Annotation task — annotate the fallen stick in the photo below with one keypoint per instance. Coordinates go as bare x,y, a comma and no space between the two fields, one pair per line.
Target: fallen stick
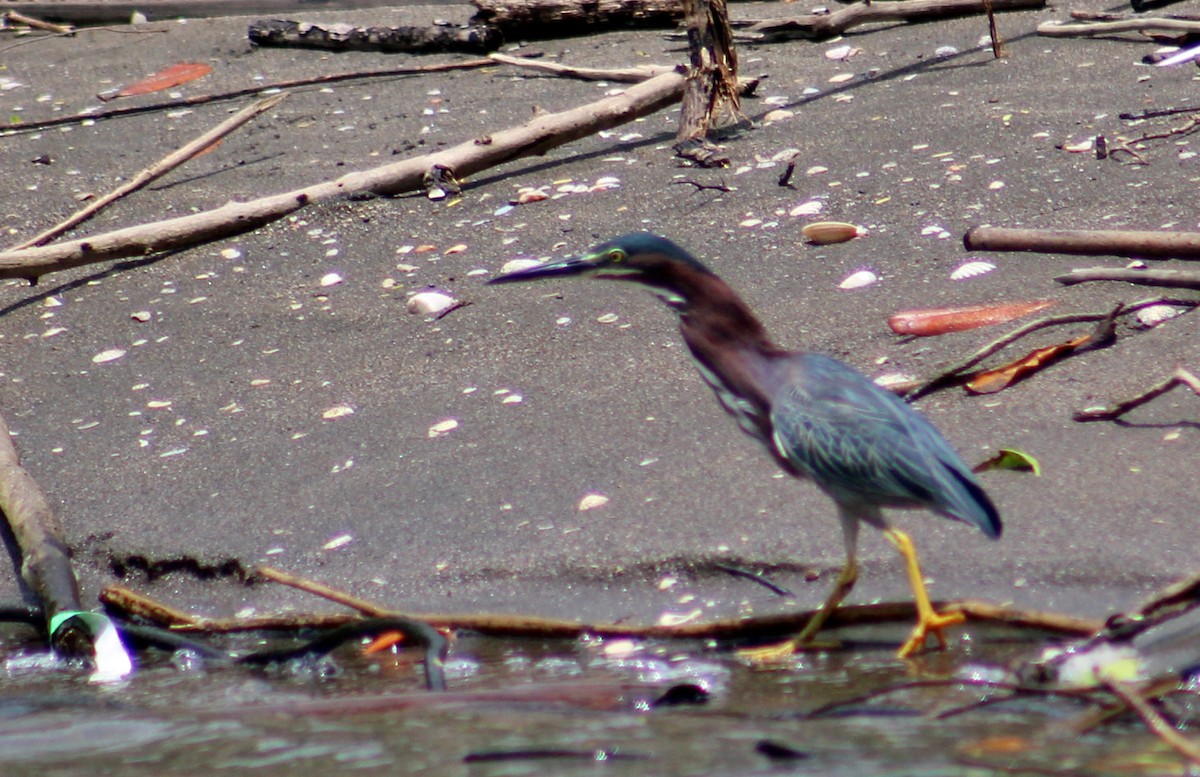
621,75
202,99
157,170
819,26
533,138
1056,29
14,17
1180,377
45,557
1086,242
1173,279
1154,720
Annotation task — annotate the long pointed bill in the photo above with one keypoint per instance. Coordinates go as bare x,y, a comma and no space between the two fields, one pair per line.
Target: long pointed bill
575,265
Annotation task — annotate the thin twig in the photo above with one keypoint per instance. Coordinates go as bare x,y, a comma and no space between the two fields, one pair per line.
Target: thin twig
1155,722
157,170
1180,377
953,372
75,32
237,94
322,590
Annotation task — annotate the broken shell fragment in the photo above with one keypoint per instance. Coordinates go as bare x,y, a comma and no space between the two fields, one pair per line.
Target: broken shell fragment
829,232
337,411
1152,316
592,501
858,280
429,302
442,428
513,265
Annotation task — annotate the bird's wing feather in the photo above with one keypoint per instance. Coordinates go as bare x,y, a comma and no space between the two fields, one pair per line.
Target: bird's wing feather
862,443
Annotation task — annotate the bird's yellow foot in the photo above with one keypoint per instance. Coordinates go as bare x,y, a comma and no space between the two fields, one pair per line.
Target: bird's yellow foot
929,623
779,652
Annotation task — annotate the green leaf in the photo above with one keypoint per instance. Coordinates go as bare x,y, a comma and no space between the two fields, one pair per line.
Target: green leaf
1010,458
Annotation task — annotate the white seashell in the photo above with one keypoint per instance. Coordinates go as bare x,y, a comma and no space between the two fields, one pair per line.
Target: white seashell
513,265
945,51
816,170
1148,318
747,223
858,280
592,501
841,78
1079,147
933,229
838,53
112,354
331,279
338,542
779,114
429,302
810,208
971,270
337,411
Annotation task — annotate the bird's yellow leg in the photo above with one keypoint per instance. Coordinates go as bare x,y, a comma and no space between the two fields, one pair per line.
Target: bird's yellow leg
781,650
928,621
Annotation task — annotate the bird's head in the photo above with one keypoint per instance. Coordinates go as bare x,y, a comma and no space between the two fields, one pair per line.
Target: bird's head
641,257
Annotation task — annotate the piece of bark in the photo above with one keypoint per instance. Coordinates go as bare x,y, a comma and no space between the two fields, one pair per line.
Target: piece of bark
711,80
476,39
534,138
535,19
821,26
45,557
1171,279
1086,242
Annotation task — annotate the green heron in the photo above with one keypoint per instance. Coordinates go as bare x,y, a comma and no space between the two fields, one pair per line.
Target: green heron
818,418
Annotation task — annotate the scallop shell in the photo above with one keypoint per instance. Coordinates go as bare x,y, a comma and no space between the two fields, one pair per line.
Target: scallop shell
828,232
859,279
810,208
971,270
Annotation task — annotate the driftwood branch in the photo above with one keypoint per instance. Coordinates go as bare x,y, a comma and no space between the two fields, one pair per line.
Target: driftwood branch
629,75
1057,29
820,26
534,138
1086,242
158,169
45,557
475,39
532,626
1180,377
711,80
541,18
1174,279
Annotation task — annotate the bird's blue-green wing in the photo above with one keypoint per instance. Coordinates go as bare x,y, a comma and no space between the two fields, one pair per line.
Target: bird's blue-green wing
862,443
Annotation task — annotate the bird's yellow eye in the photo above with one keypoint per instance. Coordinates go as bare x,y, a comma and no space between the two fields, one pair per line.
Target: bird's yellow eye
616,256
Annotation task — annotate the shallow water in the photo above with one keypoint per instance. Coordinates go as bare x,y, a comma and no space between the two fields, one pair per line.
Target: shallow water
562,708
